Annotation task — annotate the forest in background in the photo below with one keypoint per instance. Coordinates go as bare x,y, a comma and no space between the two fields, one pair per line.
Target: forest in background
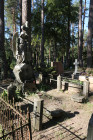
57,32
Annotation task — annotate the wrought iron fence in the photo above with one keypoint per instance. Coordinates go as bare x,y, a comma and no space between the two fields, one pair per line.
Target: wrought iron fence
16,125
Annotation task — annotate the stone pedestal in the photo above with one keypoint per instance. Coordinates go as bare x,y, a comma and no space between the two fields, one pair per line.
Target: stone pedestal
78,98
75,76
23,72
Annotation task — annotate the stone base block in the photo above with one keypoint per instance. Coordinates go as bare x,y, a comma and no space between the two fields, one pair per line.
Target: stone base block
78,98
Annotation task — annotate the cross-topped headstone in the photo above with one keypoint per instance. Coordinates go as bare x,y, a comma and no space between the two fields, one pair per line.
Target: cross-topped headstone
76,66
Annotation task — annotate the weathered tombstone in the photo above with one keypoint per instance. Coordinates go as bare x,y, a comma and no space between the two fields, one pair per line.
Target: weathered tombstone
58,67
90,129
59,84
38,113
85,89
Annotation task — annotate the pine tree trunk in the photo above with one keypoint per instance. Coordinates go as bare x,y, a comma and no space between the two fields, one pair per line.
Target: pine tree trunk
20,4
33,4
83,23
14,22
42,32
26,16
2,49
89,41
68,43
80,34
73,42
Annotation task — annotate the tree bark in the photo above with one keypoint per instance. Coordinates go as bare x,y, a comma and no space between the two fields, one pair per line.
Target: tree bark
83,23
68,43
2,49
42,32
80,34
72,42
26,16
89,41
33,4
14,22
20,7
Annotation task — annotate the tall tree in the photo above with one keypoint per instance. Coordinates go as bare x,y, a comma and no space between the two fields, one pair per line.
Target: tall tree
12,13
42,32
90,31
20,7
83,23
68,44
2,49
80,33
26,16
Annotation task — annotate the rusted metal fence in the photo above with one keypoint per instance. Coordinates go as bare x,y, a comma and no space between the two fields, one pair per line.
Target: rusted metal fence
16,125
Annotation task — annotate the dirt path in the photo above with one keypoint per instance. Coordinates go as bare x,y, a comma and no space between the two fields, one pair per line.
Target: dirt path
72,124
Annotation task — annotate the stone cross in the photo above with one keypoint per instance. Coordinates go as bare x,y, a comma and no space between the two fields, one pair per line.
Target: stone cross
76,66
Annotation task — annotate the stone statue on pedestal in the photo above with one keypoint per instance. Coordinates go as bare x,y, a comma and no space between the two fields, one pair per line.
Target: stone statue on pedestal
21,50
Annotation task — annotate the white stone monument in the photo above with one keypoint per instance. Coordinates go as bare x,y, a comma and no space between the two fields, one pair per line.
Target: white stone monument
76,66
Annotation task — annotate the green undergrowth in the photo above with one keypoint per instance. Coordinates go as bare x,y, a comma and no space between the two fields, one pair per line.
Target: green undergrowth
73,81
43,87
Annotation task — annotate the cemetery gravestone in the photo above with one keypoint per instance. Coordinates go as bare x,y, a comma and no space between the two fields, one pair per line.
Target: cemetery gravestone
75,75
58,67
76,66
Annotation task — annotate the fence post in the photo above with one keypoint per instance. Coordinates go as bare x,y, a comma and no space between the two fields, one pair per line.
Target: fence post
38,114
3,134
21,128
59,84
29,124
85,89
13,133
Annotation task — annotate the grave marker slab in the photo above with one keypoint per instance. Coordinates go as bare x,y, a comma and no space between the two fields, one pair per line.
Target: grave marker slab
58,67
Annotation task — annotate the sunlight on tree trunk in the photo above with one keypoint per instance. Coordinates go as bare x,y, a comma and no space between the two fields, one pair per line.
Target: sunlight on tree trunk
90,31
20,4
26,16
80,34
